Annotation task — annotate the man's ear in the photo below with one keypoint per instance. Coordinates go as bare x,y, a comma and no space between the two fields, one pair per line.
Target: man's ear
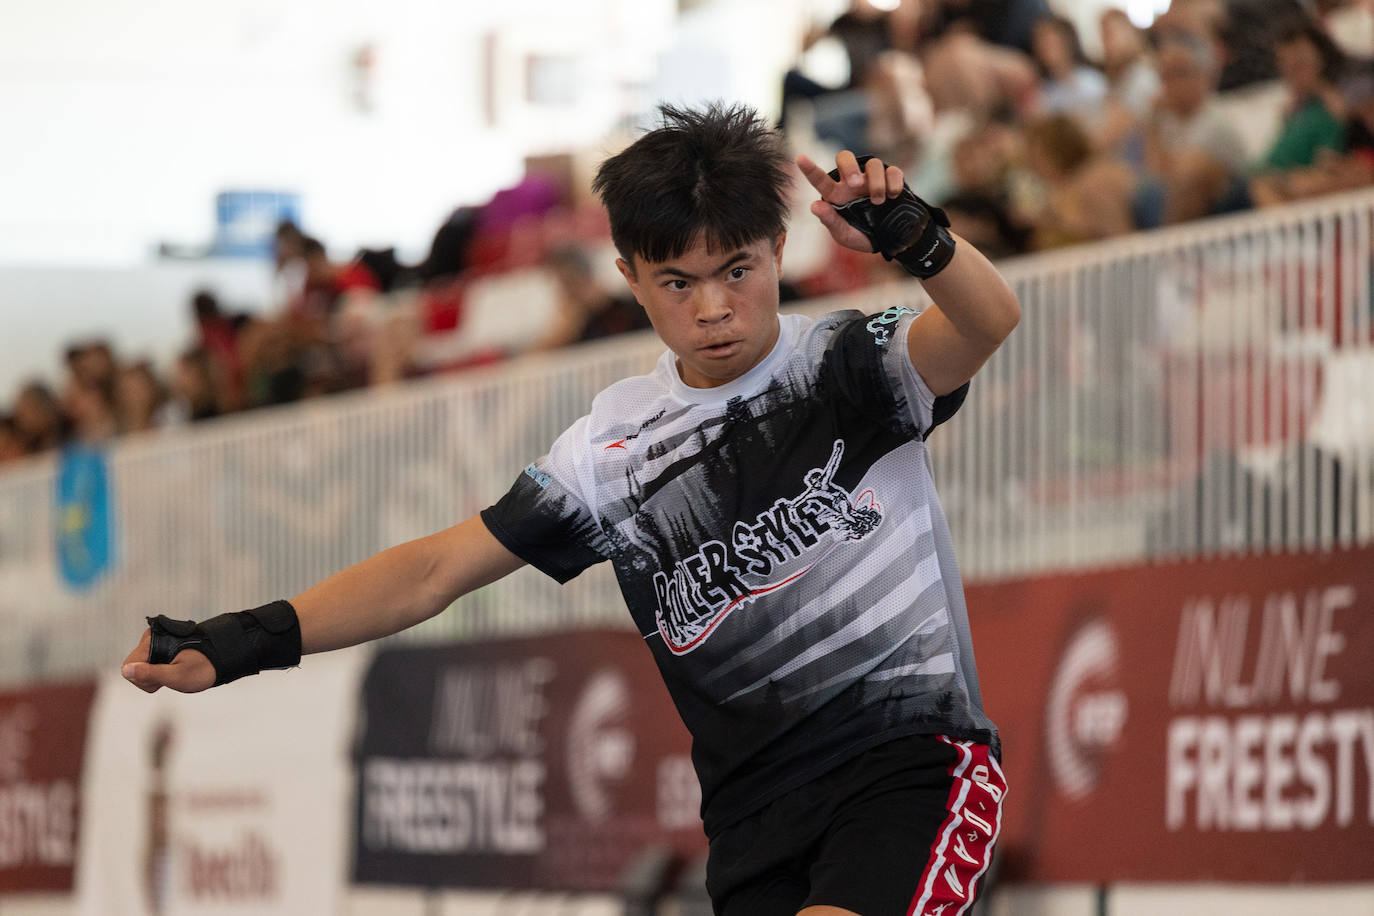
628,272
777,250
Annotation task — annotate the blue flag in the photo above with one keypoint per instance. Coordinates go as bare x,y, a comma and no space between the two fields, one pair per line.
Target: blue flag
85,516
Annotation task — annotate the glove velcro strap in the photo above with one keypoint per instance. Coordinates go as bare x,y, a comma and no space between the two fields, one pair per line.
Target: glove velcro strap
932,252
903,228
237,645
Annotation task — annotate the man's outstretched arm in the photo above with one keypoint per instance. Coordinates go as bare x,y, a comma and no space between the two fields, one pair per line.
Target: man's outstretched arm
383,594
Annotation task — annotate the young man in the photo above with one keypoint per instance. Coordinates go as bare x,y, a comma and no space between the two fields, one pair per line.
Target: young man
765,498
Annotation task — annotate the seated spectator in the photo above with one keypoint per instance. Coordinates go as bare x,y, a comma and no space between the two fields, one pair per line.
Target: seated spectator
986,222
1332,172
1193,152
91,408
218,335
326,283
587,311
288,268
11,445
965,73
1132,81
1246,36
195,388
980,207
1069,84
38,419
841,113
1005,23
92,363
139,399
1086,196
901,113
1310,66
272,363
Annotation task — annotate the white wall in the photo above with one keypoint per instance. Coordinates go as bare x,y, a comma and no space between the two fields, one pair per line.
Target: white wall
124,119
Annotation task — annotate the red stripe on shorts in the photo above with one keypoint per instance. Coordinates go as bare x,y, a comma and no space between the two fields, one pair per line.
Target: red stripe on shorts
963,844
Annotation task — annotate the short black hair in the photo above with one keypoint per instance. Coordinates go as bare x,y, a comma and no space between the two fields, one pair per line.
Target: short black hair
1302,29
720,173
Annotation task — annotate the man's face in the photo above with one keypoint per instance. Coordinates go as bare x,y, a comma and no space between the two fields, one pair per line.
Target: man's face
1183,85
717,310
1300,64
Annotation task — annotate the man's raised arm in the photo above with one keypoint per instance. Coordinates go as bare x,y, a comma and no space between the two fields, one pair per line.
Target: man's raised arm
867,207
383,594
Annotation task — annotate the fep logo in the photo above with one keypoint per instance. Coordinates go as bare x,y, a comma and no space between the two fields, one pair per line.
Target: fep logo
1086,710
601,748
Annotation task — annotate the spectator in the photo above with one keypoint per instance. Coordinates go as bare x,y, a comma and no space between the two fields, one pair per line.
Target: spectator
964,72
1069,84
195,388
218,335
987,224
1310,66
326,283
1132,81
288,268
92,363
587,311
140,399
1085,196
91,408
1005,23
11,445
980,208
1332,172
1246,33
1193,152
273,372
38,419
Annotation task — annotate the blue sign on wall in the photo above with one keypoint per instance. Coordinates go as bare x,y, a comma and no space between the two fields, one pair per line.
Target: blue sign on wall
85,516
246,221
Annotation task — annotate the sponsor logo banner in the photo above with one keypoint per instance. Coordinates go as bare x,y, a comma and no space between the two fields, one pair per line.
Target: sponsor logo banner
224,802
545,762
42,737
1195,721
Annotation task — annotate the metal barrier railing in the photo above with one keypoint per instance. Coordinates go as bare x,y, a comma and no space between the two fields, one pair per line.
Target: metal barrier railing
1185,393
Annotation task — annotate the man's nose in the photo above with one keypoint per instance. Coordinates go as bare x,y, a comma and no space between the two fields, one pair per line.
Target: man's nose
713,304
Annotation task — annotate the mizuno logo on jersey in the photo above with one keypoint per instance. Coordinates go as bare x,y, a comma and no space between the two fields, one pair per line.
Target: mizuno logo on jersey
780,546
620,443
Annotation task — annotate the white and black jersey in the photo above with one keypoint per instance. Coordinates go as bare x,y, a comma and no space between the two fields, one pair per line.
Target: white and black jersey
781,547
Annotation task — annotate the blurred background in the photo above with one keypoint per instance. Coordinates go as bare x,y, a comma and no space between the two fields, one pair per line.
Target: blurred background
283,284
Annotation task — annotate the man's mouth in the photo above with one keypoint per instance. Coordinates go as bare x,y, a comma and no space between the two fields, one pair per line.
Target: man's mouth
727,348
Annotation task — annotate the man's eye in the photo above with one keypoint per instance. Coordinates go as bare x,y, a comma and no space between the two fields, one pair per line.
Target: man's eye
737,273
676,286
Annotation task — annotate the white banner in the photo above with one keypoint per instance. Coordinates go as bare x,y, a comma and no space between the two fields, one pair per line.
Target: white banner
233,801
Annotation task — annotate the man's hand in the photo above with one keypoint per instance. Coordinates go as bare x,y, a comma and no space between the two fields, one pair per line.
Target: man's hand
189,672
873,180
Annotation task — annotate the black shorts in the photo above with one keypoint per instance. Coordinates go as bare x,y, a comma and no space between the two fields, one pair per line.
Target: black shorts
905,829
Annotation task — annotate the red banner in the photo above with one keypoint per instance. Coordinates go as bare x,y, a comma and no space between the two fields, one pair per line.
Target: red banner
1196,721
42,740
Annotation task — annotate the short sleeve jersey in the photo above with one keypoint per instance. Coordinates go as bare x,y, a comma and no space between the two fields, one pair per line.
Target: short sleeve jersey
780,545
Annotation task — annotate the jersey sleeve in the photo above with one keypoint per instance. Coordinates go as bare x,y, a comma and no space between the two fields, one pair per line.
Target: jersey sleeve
874,368
545,518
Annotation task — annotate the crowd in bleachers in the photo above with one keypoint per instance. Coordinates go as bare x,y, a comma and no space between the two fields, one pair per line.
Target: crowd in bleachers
991,107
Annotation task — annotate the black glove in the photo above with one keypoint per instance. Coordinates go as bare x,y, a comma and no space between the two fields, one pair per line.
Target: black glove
904,229
237,645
